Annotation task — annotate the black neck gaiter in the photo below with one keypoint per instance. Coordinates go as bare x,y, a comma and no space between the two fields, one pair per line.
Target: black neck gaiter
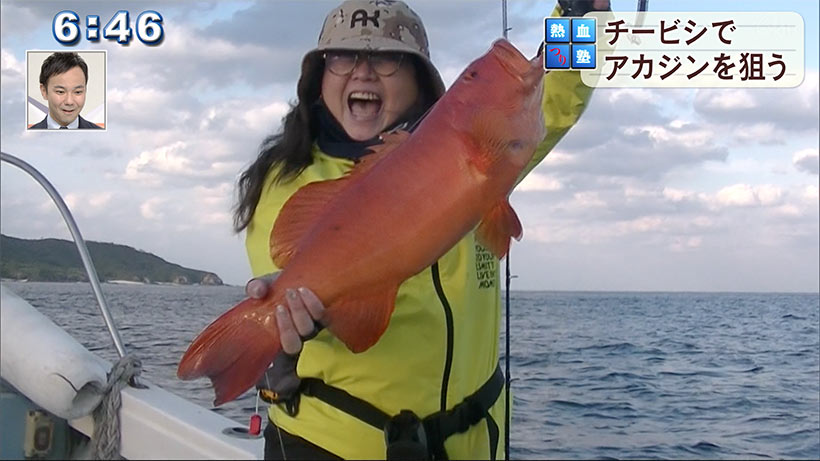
334,141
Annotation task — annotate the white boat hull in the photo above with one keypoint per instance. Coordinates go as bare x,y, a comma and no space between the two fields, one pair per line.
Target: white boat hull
58,374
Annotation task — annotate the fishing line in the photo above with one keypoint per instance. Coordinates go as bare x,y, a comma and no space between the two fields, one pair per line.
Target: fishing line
281,443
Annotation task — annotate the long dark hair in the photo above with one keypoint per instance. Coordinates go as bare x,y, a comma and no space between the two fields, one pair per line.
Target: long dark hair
290,150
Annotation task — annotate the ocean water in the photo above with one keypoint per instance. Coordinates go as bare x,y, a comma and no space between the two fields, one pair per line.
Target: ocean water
594,375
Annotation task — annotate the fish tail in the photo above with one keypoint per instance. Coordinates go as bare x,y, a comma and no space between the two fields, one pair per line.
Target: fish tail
233,351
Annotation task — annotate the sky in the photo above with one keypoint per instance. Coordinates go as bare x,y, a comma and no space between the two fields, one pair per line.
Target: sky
682,189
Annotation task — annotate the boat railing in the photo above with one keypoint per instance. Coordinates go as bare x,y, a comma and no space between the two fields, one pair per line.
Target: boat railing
79,241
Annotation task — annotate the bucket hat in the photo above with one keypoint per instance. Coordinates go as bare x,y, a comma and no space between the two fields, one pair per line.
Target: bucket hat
374,25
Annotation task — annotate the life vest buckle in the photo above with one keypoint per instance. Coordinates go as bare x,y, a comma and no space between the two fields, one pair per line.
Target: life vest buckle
405,437
280,383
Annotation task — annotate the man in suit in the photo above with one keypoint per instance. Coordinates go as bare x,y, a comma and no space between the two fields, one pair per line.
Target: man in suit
63,80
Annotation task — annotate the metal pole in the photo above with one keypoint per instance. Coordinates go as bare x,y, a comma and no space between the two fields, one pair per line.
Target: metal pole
504,19
78,240
643,5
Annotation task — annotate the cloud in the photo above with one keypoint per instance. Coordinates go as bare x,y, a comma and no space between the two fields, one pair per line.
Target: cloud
211,62
22,18
10,67
539,182
759,133
146,107
810,193
223,137
642,224
725,100
612,110
764,115
677,195
747,195
681,244
672,219
238,118
12,91
149,209
177,162
649,151
89,204
807,160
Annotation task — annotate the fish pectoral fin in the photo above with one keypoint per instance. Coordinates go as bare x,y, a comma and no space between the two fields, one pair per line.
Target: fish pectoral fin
359,321
497,226
488,148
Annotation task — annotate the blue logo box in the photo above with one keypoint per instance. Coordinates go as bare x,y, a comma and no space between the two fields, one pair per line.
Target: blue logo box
558,56
583,30
557,30
583,56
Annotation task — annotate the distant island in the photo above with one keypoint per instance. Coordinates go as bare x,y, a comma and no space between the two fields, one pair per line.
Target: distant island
55,260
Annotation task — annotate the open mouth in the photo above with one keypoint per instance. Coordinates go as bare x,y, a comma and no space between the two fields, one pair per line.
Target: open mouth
511,58
364,104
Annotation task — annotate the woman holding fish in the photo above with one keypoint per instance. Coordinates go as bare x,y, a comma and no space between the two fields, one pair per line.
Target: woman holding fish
382,207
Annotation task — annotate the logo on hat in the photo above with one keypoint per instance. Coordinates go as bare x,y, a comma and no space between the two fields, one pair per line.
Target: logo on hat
361,15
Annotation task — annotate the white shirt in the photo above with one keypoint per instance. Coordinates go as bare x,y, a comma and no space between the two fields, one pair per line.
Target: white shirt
53,125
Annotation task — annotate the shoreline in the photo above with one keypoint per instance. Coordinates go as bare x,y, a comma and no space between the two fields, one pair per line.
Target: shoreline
118,282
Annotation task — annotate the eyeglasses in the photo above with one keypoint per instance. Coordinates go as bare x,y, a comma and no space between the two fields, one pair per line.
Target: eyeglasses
342,62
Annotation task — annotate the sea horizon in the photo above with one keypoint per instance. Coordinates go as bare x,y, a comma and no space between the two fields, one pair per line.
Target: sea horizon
526,290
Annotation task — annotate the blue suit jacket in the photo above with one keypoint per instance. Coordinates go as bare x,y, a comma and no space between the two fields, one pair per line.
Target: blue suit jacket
84,124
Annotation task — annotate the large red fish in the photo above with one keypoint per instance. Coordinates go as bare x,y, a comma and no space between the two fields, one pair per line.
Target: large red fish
395,214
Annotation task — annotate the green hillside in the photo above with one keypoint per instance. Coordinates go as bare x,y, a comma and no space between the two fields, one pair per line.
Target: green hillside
54,260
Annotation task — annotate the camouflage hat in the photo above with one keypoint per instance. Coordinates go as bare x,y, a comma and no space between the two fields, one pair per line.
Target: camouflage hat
378,25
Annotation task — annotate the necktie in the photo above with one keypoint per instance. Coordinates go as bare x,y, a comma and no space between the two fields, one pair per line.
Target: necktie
63,127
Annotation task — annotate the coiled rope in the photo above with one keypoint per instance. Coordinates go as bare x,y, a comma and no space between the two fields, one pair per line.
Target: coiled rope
105,443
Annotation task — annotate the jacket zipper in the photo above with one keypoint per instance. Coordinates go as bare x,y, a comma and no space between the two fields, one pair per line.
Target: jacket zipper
448,315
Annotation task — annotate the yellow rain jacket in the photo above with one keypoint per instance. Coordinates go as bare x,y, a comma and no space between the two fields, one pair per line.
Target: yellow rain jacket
442,341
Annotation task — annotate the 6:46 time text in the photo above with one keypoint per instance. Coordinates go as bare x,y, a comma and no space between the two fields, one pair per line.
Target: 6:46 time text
148,26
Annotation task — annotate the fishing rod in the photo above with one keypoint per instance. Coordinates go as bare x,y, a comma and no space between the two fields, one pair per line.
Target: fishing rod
504,30
643,5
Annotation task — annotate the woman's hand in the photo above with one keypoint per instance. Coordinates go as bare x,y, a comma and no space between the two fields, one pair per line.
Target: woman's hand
300,321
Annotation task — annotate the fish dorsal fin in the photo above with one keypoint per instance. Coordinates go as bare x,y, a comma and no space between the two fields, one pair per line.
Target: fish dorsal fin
360,320
302,209
297,216
497,226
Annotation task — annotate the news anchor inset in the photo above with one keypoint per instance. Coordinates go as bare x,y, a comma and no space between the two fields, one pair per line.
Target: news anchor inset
63,83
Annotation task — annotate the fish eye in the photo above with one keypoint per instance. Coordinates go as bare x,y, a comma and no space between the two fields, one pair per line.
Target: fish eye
516,144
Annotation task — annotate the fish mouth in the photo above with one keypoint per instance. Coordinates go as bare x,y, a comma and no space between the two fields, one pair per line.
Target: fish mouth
364,105
510,57
529,71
